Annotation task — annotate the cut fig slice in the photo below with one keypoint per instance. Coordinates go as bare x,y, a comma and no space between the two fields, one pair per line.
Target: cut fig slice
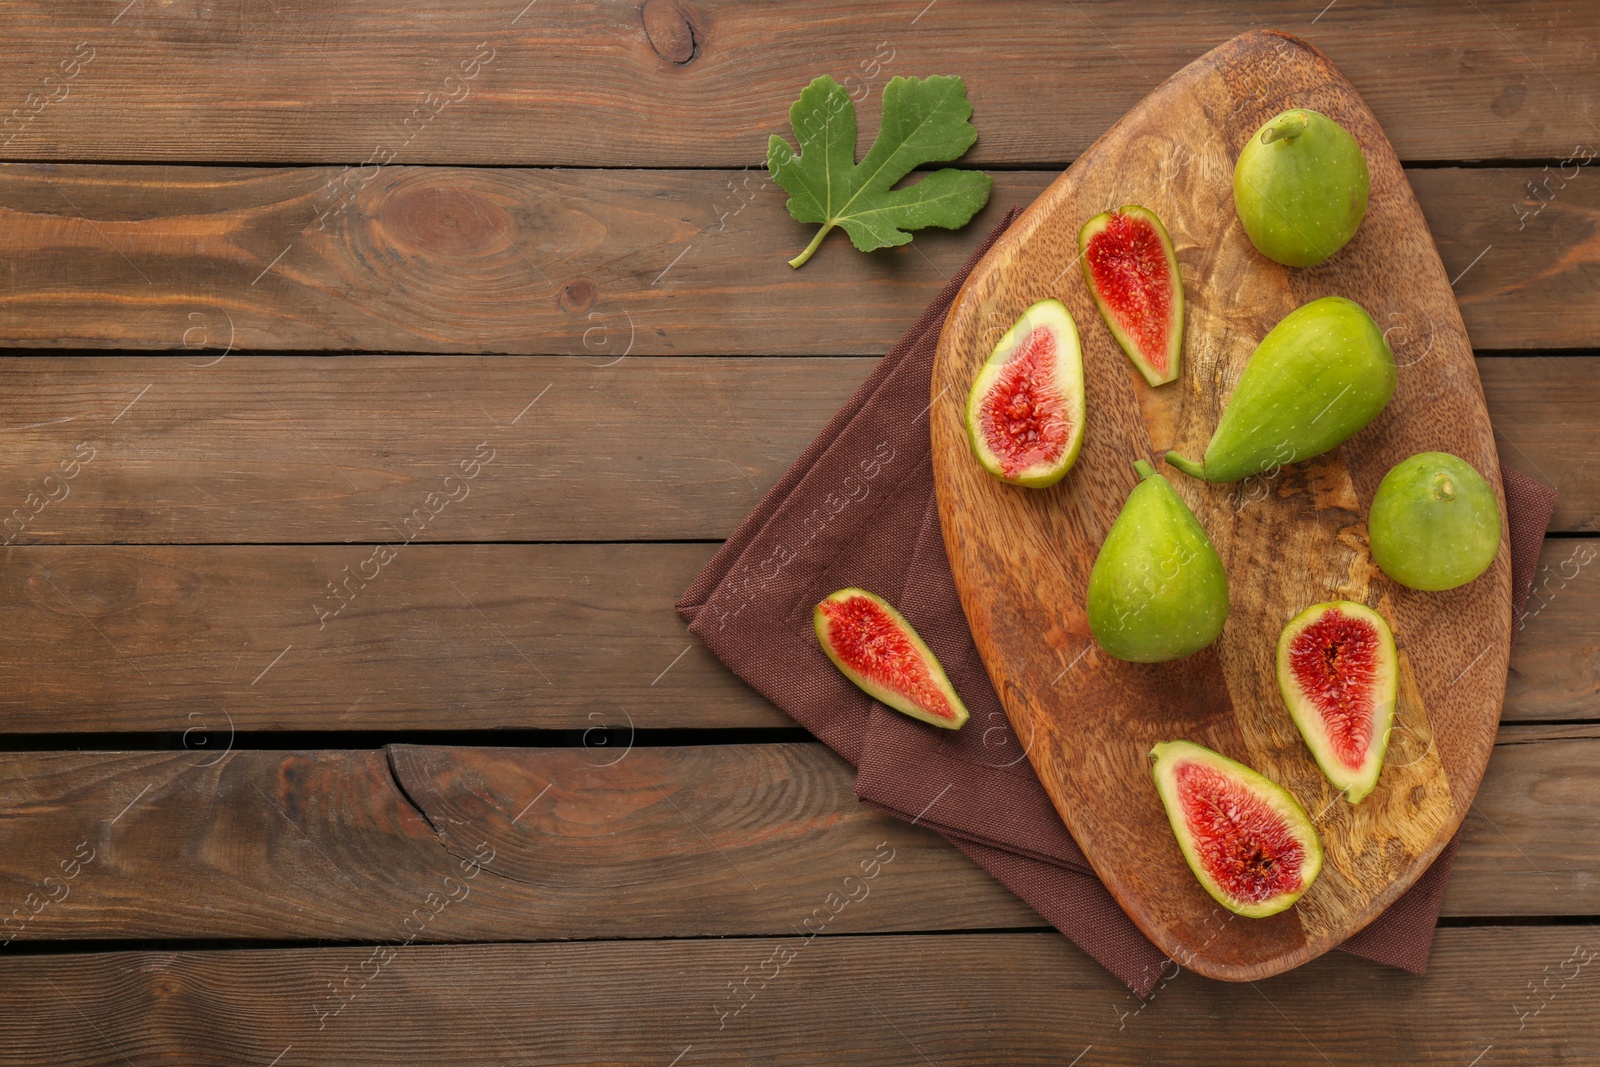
1338,673
1247,840
1025,412
877,649
1131,270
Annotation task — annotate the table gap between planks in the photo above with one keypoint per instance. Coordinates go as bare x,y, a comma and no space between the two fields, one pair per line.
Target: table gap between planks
501,286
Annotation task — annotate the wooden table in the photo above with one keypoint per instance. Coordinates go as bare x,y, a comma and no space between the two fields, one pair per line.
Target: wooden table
377,377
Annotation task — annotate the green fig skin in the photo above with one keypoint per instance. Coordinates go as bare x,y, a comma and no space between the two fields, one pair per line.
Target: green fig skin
1434,522
1300,187
1157,591
1318,377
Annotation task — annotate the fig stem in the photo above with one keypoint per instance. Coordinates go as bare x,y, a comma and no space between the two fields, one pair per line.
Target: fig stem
1286,128
799,261
1144,469
1187,466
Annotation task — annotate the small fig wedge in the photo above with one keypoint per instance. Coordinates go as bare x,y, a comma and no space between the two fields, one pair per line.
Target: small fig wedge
1025,412
1133,274
1318,377
877,649
1338,673
1248,841
1157,590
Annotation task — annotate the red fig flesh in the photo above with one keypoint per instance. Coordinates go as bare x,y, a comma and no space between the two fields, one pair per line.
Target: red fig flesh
1025,413
877,649
1338,672
1248,841
1133,274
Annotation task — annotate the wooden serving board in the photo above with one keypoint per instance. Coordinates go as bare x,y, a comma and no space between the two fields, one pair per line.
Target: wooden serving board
1022,557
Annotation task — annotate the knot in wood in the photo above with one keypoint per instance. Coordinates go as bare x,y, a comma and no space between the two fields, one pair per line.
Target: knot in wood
452,222
669,31
577,295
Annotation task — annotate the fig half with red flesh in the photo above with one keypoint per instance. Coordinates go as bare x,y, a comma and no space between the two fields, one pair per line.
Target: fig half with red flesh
1131,270
877,649
1025,412
1248,841
1338,673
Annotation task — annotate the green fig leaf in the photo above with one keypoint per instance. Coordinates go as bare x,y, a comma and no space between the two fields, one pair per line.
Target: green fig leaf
925,120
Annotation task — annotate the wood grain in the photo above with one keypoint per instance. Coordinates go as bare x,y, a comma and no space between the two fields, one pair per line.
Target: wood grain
290,449
1555,664
1538,778
575,84
311,464
1522,249
1018,998
193,639
602,263
1022,559
280,449
1556,393
595,842
572,843
172,638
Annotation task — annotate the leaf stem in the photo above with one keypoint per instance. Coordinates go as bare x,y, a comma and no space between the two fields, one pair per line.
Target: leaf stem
799,261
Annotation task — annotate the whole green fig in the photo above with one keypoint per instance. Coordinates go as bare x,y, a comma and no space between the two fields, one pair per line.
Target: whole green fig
1319,376
1157,590
1300,187
1434,522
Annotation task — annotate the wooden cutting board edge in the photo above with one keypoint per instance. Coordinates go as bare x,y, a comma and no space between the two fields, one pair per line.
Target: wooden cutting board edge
1464,786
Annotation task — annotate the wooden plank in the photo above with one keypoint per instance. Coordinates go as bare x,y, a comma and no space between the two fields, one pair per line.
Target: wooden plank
987,998
705,82
218,639
594,842
187,638
573,843
290,450
1555,663
599,264
1520,246
365,449
1540,406
605,263
1512,849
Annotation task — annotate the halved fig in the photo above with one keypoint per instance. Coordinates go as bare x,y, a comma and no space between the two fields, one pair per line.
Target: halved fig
1133,274
877,649
1338,674
1249,842
1025,412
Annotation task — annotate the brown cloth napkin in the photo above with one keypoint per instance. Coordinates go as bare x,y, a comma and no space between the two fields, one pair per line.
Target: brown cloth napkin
857,508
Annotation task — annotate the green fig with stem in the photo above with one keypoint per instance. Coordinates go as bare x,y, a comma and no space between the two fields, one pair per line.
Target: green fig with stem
1434,523
1300,187
1319,376
1157,591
